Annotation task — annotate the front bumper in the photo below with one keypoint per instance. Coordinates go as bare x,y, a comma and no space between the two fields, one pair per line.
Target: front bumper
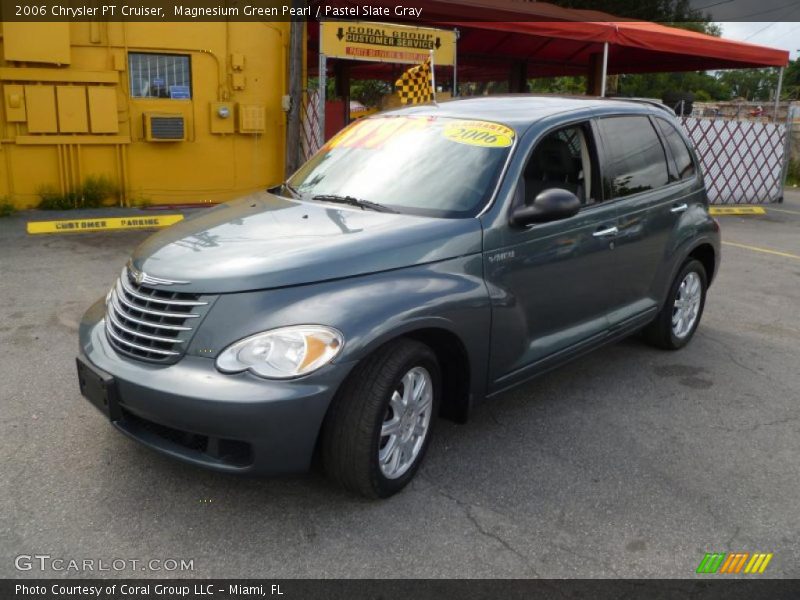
190,411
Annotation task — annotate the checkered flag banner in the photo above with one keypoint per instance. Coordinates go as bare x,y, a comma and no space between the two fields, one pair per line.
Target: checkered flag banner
416,85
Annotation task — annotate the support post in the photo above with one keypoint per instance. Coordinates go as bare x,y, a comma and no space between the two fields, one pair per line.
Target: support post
342,72
778,95
604,74
518,79
433,78
293,124
455,65
323,85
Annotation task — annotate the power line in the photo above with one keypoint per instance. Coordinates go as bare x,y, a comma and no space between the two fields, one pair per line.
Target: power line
764,12
760,30
715,4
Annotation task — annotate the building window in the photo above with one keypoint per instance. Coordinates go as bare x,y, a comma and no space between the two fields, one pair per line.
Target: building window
160,76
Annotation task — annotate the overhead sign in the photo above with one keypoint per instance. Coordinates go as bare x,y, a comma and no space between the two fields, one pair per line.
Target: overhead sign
386,42
102,224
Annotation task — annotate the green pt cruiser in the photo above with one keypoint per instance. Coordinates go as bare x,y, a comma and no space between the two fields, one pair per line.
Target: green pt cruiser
424,260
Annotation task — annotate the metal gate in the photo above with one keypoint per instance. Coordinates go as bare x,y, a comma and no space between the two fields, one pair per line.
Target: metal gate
743,161
311,136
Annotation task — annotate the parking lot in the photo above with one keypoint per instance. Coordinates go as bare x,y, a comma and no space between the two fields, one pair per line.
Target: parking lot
633,462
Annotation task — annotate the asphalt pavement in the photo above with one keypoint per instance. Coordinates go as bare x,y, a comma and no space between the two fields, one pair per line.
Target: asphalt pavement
631,462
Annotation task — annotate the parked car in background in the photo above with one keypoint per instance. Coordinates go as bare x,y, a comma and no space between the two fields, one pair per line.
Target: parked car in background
425,259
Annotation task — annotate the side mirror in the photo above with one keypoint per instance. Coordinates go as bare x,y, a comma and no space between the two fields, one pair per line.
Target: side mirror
550,205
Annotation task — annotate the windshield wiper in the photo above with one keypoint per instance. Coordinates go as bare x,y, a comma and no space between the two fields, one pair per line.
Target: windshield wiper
363,204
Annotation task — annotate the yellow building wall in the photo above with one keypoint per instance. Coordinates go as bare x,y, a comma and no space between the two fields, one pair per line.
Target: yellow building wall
67,112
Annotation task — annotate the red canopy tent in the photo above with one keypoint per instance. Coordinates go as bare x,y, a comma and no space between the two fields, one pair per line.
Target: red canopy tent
545,40
513,40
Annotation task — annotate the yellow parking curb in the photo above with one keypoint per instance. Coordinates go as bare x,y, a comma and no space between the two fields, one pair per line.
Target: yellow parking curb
718,211
102,224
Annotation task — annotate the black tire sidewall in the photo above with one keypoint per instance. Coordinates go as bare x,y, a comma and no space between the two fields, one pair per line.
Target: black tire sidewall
384,486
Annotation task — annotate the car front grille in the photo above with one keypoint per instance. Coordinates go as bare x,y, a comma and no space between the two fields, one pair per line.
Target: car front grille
149,323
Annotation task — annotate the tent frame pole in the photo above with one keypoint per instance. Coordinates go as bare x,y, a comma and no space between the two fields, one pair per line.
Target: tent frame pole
323,86
778,94
605,71
455,64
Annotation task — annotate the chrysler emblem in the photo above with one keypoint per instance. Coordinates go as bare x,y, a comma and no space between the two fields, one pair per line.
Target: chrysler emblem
140,277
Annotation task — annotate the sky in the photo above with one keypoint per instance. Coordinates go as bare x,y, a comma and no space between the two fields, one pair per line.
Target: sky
776,34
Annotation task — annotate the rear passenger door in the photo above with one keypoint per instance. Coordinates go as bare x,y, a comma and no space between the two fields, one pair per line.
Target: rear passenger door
639,179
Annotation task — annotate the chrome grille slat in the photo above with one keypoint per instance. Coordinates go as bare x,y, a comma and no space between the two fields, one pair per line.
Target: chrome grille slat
155,338
150,311
132,292
125,342
158,334
119,309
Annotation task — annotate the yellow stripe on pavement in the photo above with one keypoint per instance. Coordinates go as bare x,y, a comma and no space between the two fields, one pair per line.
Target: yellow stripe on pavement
783,210
764,250
718,211
102,224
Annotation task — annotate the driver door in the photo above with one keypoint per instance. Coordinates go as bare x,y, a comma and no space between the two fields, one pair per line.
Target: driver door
549,283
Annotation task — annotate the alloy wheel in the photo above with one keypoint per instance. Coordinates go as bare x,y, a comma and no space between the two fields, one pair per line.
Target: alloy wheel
406,423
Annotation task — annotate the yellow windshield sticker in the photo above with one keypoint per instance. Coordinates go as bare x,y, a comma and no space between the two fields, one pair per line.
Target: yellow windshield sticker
479,133
374,133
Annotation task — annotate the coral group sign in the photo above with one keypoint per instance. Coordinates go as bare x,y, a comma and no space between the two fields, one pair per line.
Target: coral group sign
386,42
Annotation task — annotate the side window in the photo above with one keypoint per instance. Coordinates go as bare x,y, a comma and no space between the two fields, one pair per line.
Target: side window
683,157
636,161
562,159
159,76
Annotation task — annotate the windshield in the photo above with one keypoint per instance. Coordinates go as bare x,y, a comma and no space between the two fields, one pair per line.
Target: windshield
423,165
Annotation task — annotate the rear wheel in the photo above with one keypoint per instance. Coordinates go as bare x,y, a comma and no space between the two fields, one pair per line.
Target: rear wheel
675,325
379,426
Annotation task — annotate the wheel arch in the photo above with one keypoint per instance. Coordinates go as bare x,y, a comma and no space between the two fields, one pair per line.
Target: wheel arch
707,255
454,361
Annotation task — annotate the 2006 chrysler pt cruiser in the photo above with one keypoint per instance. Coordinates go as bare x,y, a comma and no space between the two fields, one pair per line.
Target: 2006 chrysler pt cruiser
423,260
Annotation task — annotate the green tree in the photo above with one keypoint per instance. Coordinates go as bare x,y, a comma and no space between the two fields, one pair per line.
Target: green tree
755,85
791,81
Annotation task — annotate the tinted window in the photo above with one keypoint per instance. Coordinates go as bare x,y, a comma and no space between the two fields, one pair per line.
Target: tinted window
681,154
635,159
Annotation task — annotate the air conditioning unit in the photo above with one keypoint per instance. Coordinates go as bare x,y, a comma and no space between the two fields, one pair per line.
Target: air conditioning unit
164,127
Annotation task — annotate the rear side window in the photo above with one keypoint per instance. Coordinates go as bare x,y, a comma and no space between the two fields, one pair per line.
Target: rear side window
635,159
683,157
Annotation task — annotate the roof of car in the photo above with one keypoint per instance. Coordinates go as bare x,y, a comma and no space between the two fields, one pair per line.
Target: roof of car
521,110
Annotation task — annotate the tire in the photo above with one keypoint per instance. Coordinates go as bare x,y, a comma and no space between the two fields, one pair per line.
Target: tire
351,435
663,332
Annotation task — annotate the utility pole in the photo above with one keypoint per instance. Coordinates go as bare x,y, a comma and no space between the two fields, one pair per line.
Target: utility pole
293,124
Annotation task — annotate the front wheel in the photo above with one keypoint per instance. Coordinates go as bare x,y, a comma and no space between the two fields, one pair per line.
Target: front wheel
379,426
675,325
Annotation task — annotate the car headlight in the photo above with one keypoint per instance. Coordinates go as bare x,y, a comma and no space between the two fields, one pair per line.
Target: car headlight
283,353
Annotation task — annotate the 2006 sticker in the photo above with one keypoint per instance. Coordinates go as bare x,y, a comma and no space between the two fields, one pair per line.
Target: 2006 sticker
479,133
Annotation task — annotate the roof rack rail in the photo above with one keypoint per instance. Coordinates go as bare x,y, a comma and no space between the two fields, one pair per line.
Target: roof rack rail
649,101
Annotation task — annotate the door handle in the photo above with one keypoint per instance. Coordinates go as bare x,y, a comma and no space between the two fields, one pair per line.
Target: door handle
679,208
606,232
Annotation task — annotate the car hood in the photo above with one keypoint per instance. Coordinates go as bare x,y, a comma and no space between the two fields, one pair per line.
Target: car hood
265,241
